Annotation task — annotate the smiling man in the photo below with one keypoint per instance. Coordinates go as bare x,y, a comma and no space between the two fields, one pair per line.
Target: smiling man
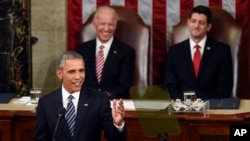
200,64
109,62
87,113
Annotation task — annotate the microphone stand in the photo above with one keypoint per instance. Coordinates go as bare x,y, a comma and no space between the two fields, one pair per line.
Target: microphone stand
61,113
57,123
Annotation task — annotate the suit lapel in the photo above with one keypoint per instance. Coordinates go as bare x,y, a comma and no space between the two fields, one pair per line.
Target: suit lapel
187,59
65,128
59,104
114,50
92,58
205,57
82,110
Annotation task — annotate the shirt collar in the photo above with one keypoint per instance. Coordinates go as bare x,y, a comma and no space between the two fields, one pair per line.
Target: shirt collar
201,43
65,95
106,45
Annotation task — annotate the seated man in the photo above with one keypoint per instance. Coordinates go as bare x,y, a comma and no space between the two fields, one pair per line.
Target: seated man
200,63
109,62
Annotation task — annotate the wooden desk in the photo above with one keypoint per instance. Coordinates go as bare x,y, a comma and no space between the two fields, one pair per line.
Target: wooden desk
5,125
17,124
17,121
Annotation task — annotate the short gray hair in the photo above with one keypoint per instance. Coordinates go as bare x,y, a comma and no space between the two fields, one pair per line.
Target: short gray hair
66,56
105,9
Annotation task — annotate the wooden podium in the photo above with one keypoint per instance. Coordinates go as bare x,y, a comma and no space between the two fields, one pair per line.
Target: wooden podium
17,123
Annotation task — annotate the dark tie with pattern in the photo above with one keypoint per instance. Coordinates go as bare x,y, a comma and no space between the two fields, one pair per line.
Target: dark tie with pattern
71,115
99,63
196,60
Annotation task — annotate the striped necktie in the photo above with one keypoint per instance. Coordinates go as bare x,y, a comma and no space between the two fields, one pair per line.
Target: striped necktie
196,60
71,115
99,63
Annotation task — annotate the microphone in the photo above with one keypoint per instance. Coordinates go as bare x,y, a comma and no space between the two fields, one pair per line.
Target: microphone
61,112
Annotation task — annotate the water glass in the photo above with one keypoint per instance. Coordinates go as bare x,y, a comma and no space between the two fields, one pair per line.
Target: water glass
189,97
35,95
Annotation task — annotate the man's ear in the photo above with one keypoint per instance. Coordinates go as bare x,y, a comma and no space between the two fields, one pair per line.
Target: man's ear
187,21
59,73
209,27
94,23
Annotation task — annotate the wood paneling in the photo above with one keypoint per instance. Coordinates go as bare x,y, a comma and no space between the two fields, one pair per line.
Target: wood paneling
20,126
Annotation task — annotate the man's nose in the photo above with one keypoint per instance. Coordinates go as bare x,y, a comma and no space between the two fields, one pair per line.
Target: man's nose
196,24
78,75
106,27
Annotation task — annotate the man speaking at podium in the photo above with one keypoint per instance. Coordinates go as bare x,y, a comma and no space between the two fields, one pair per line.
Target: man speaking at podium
88,111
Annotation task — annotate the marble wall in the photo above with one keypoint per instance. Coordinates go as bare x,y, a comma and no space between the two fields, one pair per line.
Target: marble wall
48,24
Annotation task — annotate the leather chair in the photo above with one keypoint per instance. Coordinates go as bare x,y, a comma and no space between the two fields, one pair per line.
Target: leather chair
224,28
132,30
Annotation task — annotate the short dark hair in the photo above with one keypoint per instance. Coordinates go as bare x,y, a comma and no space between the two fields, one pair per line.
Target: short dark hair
202,10
66,56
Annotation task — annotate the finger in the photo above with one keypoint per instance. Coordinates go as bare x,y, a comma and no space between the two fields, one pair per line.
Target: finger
120,103
114,104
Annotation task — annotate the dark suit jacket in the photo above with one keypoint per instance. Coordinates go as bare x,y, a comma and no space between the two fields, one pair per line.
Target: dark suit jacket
118,69
93,115
215,78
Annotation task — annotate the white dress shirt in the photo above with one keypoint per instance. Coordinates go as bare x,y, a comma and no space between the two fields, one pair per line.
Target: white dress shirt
201,44
106,48
76,95
66,94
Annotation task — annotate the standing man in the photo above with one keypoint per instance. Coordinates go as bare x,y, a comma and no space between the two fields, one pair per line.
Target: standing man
88,110
109,62
200,63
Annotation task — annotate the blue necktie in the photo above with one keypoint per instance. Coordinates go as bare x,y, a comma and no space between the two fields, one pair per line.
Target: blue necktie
71,115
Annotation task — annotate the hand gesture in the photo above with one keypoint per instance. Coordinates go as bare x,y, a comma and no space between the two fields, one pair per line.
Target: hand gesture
118,111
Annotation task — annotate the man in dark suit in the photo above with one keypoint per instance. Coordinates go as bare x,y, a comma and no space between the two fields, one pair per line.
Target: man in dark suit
208,70
88,114
119,58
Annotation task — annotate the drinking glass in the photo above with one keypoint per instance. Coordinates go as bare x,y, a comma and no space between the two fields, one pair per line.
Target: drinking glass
189,97
35,94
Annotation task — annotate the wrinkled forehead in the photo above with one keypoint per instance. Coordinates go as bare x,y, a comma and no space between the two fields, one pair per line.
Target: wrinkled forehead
73,63
105,12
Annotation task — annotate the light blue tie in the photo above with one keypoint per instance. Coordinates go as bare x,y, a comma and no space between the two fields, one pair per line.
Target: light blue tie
71,115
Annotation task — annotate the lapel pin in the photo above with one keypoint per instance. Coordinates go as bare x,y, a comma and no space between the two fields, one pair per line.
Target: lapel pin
86,105
208,48
115,52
